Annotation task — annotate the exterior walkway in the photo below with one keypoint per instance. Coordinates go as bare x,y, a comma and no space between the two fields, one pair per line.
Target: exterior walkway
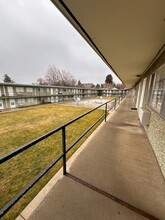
114,175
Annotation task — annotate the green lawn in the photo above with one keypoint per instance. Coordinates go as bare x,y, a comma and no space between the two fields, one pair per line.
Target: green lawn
20,127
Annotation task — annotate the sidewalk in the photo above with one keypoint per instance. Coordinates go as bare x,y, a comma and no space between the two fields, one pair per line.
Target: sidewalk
113,175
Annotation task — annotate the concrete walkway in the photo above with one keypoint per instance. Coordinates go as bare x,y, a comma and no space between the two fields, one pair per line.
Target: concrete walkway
114,175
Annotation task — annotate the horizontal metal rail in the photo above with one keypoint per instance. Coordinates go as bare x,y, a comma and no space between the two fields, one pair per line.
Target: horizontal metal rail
35,141
29,186
85,132
62,155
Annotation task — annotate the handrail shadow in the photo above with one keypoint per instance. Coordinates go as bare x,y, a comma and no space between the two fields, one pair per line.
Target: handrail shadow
112,197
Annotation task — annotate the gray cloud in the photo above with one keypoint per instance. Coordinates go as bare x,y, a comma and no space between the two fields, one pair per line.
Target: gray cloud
34,35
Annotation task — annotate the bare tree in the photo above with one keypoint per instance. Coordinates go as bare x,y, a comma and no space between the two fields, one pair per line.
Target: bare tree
120,86
55,76
41,81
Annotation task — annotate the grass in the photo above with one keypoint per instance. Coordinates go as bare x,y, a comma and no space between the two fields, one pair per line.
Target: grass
20,127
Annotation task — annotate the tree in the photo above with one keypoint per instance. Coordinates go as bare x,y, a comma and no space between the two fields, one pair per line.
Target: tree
109,79
79,83
7,79
98,86
41,81
57,77
120,86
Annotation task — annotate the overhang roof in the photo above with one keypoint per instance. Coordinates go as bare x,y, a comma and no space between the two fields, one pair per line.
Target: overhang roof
127,35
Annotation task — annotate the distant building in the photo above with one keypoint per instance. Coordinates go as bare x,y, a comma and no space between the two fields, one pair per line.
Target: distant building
107,85
88,85
14,95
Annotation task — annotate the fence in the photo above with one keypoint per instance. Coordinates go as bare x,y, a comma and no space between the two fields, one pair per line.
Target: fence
62,156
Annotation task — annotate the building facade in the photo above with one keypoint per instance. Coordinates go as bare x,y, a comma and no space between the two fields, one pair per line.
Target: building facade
149,98
20,95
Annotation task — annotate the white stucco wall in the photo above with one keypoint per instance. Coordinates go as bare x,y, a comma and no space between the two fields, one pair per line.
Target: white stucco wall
156,135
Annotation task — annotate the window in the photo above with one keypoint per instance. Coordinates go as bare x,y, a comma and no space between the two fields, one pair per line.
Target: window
157,100
42,90
21,101
19,89
28,89
30,100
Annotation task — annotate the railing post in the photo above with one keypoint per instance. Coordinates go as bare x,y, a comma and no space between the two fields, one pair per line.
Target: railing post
115,104
105,112
64,150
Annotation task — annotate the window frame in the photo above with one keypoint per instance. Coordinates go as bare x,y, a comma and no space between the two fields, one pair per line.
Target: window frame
19,89
29,89
153,88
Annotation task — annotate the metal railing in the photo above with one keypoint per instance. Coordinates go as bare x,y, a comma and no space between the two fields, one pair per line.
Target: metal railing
62,156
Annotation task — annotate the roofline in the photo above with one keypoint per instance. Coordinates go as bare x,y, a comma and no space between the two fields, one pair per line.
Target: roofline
36,85
60,4
52,86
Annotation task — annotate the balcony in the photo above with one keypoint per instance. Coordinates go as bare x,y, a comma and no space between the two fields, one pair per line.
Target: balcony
113,175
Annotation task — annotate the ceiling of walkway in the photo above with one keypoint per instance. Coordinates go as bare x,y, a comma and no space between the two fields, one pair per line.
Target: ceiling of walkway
127,35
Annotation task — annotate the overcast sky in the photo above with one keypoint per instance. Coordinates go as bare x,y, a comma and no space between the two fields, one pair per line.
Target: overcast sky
34,35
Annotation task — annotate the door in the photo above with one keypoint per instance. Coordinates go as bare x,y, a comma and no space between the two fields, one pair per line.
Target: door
12,103
138,95
51,90
142,93
1,104
10,91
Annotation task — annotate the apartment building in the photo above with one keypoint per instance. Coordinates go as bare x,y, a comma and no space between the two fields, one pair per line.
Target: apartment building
21,95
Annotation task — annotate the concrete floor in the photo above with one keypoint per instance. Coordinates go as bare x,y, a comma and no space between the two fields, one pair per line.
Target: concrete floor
114,175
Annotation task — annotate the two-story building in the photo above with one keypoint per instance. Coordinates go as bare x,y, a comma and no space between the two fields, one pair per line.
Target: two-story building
20,95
